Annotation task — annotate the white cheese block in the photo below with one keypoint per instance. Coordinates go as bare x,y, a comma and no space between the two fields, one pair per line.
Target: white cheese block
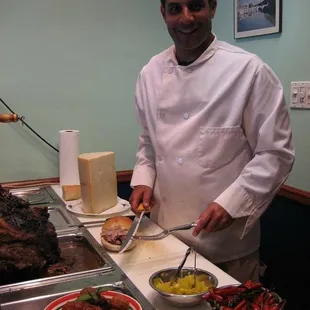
98,181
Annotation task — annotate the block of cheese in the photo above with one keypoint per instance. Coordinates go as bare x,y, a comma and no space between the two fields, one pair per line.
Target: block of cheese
71,192
98,181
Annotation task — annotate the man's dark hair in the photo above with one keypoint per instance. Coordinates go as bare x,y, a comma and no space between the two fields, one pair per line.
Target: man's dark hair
163,2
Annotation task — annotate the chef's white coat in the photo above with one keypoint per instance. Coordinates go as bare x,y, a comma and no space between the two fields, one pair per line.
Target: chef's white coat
215,130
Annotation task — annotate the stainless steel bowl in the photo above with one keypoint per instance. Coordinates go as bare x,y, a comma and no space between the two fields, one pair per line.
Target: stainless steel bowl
181,300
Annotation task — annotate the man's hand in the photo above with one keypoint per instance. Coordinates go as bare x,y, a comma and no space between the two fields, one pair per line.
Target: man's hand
214,218
141,194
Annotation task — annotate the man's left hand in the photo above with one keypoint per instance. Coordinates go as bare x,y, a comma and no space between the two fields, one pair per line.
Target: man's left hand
214,218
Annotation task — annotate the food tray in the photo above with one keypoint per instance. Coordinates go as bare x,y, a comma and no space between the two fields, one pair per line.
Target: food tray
60,217
38,299
80,251
36,195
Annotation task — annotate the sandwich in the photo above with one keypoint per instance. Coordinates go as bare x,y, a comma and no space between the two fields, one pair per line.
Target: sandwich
114,231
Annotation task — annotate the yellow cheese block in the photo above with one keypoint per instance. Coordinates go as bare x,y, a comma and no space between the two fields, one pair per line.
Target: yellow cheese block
98,181
71,192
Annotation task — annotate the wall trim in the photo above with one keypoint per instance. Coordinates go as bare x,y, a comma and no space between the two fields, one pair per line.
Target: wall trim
124,176
295,194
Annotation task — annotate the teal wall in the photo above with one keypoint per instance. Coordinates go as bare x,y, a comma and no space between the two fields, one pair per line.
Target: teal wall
72,64
288,54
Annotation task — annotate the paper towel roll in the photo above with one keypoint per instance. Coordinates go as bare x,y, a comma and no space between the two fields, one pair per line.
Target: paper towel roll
69,149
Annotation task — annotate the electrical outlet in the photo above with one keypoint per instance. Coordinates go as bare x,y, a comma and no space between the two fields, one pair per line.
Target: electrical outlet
300,95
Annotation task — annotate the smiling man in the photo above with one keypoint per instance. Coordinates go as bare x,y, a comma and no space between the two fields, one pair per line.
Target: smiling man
189,25
216,142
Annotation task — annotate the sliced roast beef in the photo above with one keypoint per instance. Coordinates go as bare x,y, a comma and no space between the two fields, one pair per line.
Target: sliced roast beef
115,235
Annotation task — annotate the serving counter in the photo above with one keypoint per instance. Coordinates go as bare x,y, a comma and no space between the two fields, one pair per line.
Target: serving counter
150,256
79,237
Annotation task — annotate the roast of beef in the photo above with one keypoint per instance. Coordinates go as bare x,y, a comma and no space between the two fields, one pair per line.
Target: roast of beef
28,241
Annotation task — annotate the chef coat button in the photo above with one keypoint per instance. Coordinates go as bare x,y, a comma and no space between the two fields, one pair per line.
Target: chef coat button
186,115
162,114
180,160
160,158
170,70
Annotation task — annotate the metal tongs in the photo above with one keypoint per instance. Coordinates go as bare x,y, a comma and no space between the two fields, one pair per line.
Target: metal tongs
177,273
166,232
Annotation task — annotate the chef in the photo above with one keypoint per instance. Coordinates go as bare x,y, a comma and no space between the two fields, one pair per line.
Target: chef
216,141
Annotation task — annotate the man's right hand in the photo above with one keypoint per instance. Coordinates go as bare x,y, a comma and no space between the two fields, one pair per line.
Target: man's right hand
141,194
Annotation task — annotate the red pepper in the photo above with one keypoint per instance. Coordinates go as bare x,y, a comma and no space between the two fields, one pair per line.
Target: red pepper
242,289
241,305
276,306
272,301
217,298
228,291
207,296
259,300
269,299
212,296
250,285
211,290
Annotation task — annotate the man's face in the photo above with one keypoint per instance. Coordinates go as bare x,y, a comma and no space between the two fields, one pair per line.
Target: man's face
188,21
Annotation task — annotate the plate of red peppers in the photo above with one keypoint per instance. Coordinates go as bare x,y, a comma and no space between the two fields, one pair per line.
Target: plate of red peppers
247,296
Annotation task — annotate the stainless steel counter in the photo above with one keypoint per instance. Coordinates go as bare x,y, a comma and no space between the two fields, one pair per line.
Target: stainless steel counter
93,266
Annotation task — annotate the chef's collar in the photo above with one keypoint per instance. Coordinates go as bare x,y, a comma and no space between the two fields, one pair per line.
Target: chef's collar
207,54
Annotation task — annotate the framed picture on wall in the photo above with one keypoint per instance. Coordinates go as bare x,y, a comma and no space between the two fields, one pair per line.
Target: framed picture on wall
257,17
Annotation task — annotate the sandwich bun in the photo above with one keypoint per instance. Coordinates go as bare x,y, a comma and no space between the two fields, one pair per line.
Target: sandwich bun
112,223
123,221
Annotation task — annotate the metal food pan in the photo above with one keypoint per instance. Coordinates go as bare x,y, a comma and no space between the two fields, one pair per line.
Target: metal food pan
60,217
39,298
36,195
81,253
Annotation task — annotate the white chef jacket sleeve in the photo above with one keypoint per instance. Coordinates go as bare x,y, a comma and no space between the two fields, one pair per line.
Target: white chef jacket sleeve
267,128
144,172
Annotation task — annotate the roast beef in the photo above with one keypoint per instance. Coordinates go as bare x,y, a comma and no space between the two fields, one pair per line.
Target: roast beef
28,240
114,235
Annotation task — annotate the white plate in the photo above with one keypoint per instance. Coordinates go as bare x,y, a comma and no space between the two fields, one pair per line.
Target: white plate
122,206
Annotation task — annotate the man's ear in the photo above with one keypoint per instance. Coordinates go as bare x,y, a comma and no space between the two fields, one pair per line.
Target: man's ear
213,8
163,12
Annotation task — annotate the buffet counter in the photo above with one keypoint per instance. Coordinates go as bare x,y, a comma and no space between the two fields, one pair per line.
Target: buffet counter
148,257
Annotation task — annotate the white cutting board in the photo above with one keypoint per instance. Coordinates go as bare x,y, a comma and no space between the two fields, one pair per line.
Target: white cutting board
145,250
